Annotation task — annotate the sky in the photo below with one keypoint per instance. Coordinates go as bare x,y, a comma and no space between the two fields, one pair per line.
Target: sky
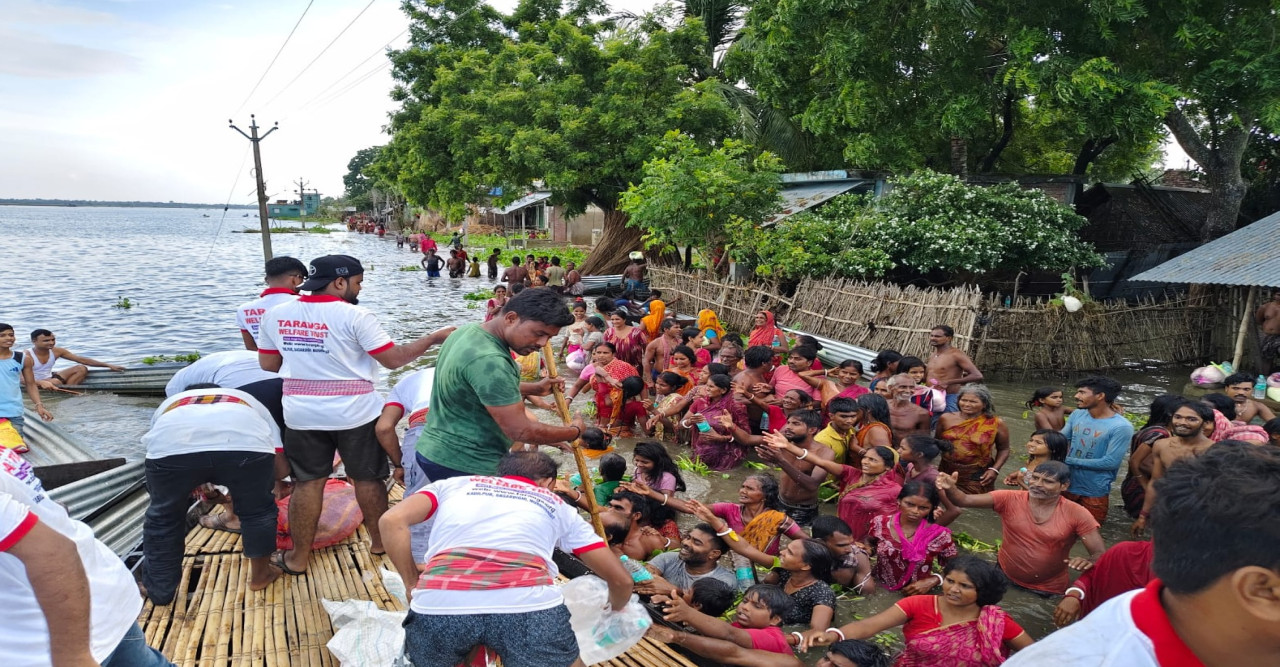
130,99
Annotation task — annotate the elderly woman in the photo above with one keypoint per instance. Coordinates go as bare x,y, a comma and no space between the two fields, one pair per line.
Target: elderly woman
963,627
979,440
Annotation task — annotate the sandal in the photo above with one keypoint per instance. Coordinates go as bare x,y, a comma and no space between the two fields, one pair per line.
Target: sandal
217,522
277,559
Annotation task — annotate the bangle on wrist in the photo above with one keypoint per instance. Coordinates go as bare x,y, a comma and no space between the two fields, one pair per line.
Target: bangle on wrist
802,455
724,532
665,498
941,581
1076,589
799,638
994,470
837,632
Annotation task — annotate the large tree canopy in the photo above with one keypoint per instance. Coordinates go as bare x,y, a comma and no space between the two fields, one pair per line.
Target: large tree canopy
544,95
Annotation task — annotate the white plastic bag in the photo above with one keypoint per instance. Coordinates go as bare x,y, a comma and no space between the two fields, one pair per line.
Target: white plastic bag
602,634
365,635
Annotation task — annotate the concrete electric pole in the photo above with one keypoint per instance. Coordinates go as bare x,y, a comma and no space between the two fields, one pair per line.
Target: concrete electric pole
262,186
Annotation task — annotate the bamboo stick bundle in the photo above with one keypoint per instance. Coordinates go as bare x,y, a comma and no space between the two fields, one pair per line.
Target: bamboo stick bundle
212,621
228,611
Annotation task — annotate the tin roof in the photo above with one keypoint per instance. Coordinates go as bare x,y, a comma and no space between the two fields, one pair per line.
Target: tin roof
800,196
523,202
1248,256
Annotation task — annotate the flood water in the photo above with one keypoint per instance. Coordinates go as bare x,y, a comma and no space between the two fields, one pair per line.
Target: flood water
185,274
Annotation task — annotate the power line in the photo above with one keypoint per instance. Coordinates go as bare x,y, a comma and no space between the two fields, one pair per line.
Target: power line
354,84
322,52
337,81
232,193
273,60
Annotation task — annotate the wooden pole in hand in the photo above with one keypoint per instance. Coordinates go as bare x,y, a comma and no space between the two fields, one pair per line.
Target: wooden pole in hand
588,487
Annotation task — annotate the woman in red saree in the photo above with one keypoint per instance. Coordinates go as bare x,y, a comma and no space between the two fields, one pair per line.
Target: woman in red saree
963,627
628,341
865,492
716,446
767,333
607,383
908,542
979,441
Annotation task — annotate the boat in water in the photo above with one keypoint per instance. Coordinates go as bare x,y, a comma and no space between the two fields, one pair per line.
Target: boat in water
147,380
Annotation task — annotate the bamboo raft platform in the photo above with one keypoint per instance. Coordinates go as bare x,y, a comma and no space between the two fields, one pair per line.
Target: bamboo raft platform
216,621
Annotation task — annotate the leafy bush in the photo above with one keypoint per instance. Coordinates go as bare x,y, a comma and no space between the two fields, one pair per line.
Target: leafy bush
928,223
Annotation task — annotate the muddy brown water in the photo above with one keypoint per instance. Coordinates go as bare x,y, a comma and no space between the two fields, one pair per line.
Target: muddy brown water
186,275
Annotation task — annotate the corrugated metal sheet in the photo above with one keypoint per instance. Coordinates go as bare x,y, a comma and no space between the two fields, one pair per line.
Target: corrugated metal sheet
523,202
1247,256
83,497
834,352
49,444
801,196
143,381
120,527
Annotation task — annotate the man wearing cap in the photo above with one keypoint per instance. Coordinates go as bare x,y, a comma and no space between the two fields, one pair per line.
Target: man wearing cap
284,274
328,350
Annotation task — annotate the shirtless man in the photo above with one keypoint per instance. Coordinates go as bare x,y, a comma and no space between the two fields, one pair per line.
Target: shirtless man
949,366
798,489
1268,319
515,274
44,354
656,353
642,532
455,264
1239,387
905,418
633,275
1187,438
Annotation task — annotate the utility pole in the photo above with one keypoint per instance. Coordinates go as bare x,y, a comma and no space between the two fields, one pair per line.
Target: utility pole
302,199
262,186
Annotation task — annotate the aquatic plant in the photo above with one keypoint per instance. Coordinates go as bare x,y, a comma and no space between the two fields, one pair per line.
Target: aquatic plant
970,543
693,465
123,303
164,358
479,295
411,267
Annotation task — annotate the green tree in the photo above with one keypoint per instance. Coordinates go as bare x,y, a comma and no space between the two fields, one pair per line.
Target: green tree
689,192
546,95
930,227
356,181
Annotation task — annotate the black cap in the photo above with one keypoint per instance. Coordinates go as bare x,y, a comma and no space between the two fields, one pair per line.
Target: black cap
325,269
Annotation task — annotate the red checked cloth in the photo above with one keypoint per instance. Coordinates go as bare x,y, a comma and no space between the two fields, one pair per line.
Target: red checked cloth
484,570
327,387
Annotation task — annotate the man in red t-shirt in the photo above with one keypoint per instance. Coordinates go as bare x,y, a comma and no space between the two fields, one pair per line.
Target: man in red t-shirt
1039,528
754,638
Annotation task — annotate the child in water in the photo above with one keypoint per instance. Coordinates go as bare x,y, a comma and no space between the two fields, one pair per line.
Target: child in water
1045,445
1050,411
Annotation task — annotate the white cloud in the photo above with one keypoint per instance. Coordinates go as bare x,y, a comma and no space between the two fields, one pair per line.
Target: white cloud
32,56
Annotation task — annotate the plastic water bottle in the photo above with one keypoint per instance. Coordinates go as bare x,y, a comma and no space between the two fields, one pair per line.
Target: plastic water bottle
638,572
1260,388
777,341
746,577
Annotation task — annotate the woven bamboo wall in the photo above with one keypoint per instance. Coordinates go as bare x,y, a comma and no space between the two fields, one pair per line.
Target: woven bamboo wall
1030,337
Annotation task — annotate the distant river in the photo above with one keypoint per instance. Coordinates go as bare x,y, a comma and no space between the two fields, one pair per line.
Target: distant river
184,274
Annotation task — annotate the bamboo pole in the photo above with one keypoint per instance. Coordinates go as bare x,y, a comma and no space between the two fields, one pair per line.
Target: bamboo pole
588,487
1238,356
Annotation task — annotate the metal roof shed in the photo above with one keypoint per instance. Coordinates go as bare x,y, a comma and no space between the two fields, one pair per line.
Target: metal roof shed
1249,256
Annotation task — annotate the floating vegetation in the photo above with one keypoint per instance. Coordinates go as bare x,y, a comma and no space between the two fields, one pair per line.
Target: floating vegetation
164,358
123,303
479,295
411,267
973,544
693,465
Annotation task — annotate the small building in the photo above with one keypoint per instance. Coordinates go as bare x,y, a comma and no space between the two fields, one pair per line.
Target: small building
284,208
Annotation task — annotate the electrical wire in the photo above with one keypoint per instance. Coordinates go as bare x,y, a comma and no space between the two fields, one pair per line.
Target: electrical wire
322,52
239,170
273,60
337,81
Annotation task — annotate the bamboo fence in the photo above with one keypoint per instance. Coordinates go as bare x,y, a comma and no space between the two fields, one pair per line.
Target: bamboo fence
1027,336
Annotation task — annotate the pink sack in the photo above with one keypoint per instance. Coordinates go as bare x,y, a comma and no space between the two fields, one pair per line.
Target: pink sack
339,517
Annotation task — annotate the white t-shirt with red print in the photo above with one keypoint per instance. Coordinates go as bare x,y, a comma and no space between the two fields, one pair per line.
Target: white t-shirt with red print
114,599
249,315
327,346
412,394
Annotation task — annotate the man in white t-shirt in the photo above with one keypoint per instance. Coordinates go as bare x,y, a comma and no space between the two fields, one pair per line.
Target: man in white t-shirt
1215,601
412,396
67,599
328,351
284,274
209,435
489,577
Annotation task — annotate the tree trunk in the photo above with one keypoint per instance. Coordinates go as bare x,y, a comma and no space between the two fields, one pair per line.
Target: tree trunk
1220,157
959,157
1007,116
1090,151
610,255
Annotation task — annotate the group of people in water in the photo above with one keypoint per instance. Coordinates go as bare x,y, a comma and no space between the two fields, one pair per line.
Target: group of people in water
902,456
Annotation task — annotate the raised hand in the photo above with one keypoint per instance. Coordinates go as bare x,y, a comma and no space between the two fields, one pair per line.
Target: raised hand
946,482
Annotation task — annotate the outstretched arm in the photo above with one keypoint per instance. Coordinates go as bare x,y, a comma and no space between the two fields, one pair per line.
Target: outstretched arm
679,611
735,542
394,526
723,652
947,485
66,354
399,355
779,442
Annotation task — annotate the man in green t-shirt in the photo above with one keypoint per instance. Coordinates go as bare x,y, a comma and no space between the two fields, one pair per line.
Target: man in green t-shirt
477,408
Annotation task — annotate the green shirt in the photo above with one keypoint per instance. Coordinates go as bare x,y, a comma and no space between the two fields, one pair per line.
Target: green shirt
474,370
604,491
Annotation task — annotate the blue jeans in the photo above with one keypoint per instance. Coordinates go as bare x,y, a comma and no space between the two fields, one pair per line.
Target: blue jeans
436,472
634,285
132,651
17,423
249,477
953,403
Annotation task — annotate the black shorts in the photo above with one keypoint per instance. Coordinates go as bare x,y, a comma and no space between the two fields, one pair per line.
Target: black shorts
310,453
